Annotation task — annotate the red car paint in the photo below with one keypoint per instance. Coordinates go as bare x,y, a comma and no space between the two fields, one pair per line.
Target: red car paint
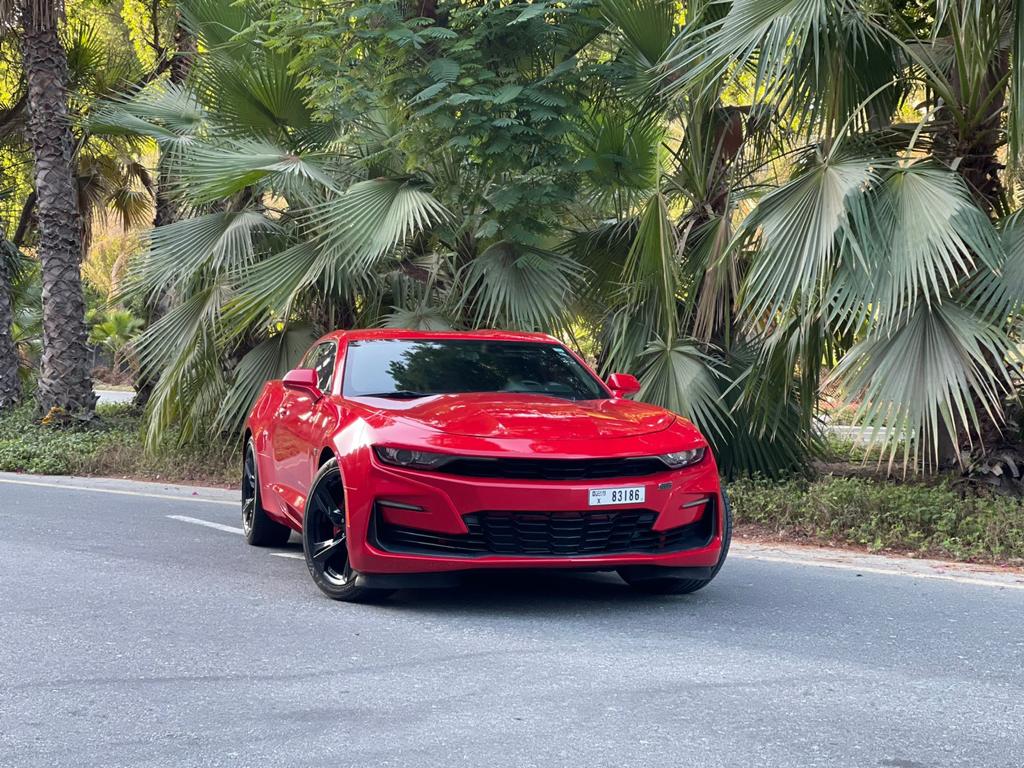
295,428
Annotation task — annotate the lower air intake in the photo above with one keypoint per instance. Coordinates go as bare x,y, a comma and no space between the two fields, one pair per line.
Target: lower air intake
551,534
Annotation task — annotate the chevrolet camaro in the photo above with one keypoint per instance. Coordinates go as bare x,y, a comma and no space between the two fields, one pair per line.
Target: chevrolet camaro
404,458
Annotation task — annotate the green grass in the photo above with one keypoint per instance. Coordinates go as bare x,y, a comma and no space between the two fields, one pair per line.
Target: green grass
112,447
929,520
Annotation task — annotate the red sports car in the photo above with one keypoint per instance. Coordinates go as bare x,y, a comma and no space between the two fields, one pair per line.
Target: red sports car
406,457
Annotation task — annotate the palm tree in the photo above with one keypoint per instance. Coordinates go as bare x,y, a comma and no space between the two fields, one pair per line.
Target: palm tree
115,333
888,253
65,383
742,202
668,177
299,223
10,382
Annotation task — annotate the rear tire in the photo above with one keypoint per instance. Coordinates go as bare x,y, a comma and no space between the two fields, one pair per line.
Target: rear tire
259,529
677,586
325,540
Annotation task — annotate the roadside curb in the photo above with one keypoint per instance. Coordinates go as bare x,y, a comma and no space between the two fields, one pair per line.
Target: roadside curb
117,486
884,565
801,555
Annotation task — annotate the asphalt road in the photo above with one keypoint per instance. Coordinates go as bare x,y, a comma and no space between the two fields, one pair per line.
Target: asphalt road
132,638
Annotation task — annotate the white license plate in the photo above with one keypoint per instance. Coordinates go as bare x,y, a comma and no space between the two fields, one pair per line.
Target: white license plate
630,494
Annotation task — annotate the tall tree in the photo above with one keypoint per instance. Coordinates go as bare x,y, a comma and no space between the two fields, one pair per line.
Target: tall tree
10,384
166,208
889,255
180,64
65,382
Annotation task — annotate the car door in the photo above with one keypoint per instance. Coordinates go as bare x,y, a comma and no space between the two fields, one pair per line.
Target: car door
299,430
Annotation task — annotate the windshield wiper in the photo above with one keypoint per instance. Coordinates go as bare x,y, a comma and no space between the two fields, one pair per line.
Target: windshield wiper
398,394
546,393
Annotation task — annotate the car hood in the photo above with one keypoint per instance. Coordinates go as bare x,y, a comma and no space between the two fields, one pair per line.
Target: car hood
536,417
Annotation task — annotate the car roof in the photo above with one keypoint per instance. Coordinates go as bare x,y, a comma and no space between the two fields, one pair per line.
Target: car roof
371,334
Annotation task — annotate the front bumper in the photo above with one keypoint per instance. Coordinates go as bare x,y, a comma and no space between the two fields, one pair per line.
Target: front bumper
440,505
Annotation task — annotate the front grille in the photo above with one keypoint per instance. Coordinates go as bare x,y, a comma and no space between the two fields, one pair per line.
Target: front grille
555,469
550,534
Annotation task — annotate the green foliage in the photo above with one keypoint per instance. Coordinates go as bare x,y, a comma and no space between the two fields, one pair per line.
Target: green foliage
307,209
115,332
28,447
741,203
933,520
484,94
114,446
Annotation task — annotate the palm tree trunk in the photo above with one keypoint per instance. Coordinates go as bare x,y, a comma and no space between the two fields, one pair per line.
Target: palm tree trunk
65,381
166,206
10,383
975,155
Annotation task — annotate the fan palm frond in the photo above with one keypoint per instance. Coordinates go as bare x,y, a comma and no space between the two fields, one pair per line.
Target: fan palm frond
519,286
421,318
164,111
650,275
799,225
999,293
771,433
646,26
360,225
926,380
619,157
818,59
211,171
214,243
927,235
270,359
687,381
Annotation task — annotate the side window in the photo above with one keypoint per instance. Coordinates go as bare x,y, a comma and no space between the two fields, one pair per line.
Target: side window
323,364
309,359
321,359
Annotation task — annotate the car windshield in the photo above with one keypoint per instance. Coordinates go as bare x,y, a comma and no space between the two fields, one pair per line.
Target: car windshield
401,368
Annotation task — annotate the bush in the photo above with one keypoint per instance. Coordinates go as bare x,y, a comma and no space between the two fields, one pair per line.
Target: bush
903,516
112,446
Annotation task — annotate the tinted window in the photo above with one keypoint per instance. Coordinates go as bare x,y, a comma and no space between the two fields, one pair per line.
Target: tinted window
406,368
321,359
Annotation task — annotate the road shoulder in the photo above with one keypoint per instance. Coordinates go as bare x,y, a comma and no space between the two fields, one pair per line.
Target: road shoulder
801,555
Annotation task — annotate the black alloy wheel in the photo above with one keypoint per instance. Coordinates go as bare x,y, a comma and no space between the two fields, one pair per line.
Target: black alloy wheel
679,586
325,540
259,529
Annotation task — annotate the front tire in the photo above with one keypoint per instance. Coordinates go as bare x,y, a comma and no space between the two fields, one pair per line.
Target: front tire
325,540
259,529
677,586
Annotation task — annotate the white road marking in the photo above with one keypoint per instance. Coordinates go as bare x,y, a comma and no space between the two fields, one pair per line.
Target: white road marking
766,558
810,560
230,529
164,496
207,523
883,571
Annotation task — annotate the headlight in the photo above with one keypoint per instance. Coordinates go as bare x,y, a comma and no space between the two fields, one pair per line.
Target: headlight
411,459
679,459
